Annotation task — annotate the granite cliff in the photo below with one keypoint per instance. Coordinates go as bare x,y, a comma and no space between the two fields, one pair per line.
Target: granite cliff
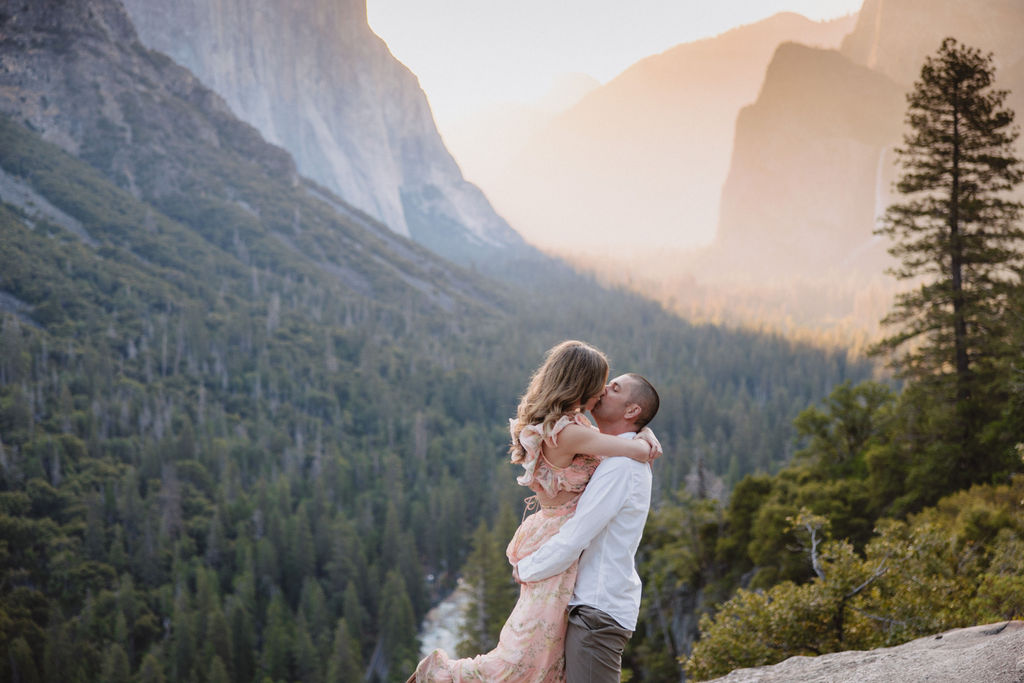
645,155
813,163
74,72
992,653
893,36
314,79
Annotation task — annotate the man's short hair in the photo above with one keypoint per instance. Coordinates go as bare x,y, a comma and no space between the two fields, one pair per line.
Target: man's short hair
644,395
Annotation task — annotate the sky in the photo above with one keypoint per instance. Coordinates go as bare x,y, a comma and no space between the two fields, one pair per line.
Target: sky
475,55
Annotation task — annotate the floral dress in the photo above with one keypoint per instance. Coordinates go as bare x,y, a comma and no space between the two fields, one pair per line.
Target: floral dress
531,645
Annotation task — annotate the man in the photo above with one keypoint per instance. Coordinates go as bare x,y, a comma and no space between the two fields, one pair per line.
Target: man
606,528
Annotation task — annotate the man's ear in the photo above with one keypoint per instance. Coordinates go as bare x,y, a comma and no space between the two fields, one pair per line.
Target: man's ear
632,411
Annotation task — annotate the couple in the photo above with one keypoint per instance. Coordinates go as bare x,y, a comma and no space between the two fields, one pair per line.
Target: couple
575,612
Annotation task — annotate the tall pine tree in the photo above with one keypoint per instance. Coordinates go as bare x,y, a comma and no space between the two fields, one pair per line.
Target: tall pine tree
956,232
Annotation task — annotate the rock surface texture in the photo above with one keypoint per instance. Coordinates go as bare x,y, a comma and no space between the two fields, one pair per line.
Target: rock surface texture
979,654
314,79
812,166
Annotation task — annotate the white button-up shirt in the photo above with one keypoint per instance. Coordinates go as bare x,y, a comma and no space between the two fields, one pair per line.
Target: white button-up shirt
606,527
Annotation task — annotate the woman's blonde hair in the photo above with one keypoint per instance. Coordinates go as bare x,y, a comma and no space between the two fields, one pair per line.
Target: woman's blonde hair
572,372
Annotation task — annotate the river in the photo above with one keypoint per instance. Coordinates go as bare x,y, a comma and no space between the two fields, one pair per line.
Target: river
440,628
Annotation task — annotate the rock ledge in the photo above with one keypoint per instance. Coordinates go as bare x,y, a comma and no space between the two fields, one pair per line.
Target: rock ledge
991,654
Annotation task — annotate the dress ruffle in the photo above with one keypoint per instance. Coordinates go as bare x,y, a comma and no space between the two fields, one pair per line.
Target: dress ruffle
532,438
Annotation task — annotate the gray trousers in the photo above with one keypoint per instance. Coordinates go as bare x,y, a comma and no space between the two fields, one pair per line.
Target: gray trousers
593,646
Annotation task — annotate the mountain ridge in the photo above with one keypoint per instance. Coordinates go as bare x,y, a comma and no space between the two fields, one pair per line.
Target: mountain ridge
801,134
151,126
354,118
649,148
785,143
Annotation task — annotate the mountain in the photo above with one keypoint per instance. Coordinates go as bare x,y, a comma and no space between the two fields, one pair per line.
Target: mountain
811,166
645,155
314,79
894,36
813,162
77,75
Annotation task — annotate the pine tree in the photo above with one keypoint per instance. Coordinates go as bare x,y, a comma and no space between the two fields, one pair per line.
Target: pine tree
344,663
278,640
116,668
151,671
243,642
398,628
218,672
958,233
473,633
493,592
218,638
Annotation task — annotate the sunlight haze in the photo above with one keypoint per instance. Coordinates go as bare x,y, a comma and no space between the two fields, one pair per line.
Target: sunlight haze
471,55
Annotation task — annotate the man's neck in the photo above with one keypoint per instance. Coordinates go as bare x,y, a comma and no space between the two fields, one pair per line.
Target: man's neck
616,428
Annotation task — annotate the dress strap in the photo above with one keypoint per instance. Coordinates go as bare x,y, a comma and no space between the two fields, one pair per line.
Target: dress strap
531,504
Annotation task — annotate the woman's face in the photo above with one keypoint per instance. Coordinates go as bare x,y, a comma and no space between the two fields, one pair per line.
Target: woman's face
588,405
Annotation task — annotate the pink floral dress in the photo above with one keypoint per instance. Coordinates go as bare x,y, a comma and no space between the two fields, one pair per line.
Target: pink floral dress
531,645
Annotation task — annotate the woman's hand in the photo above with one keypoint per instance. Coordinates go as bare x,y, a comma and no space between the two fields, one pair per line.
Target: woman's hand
647,435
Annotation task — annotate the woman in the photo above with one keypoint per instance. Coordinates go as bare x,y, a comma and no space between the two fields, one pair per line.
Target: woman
548,434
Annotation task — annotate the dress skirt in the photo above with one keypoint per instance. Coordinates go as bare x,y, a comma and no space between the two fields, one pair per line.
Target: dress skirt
531,647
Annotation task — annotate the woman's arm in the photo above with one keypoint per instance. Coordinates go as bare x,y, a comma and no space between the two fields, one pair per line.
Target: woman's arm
575,439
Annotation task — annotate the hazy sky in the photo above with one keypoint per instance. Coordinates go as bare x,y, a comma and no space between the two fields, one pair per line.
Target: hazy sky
471,55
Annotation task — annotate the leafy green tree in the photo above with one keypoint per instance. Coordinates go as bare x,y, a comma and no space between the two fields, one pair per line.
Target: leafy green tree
959,234
681,576
839,434
757,628
951,565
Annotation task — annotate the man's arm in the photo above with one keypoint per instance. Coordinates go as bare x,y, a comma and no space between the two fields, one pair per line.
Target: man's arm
605,495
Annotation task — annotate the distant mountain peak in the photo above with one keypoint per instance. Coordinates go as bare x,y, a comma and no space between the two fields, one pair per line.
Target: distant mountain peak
893,36
644,154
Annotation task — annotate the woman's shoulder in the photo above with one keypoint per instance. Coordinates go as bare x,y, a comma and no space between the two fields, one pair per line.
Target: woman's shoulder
531,435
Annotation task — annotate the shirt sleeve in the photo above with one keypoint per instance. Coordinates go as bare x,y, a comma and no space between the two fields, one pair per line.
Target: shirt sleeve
607,492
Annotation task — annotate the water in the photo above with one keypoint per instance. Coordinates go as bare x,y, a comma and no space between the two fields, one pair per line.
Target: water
440,628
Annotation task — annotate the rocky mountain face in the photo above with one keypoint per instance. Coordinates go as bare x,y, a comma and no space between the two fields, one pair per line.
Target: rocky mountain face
811,165
894,36
75,72
646,154
813,162
314,79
